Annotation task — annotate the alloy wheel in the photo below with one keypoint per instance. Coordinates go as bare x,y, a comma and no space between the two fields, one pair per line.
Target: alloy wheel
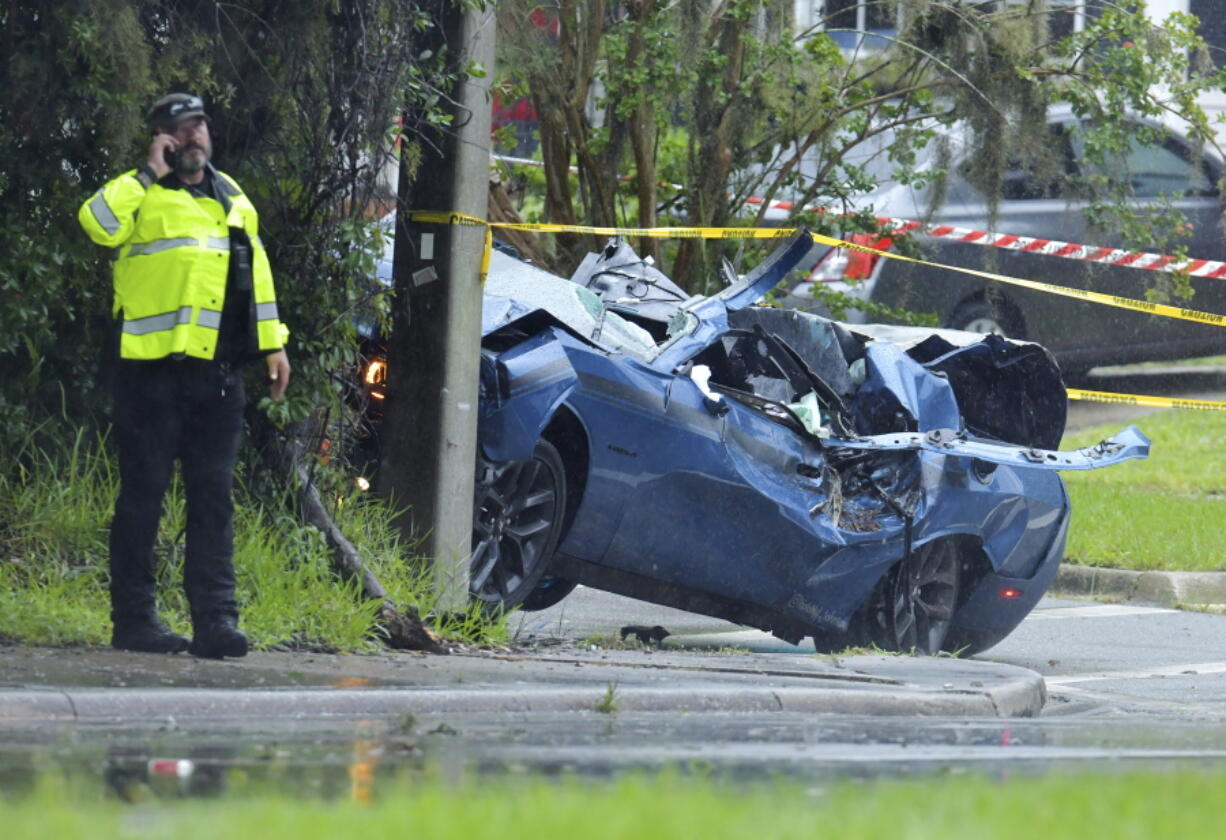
920,595
516,522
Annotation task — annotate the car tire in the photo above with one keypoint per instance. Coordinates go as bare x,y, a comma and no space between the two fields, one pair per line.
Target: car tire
981,316
517,521
548,592
917,600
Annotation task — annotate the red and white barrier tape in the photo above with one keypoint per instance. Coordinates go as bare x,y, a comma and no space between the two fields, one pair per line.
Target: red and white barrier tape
1009,242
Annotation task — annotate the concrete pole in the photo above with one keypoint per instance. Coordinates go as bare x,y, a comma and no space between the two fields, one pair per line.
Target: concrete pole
430,430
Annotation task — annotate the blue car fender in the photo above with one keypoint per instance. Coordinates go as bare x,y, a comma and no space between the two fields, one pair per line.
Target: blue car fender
534,378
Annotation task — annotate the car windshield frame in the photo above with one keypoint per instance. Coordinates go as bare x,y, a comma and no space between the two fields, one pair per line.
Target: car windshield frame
579,309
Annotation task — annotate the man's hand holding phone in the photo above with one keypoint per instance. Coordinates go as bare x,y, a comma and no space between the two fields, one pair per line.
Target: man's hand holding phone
161,153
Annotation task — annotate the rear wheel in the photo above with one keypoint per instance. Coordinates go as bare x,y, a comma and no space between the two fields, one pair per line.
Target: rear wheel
917,602
517,520
981,316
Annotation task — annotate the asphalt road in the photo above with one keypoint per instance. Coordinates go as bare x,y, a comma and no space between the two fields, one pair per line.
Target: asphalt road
1138,684
1096,658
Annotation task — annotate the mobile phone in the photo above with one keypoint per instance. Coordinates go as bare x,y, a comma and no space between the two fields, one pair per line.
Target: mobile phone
171,156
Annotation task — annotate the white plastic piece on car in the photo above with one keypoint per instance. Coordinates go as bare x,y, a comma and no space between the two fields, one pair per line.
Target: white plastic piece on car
700,375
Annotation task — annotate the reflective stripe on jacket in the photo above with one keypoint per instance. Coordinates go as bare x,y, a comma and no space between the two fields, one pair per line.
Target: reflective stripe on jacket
172,259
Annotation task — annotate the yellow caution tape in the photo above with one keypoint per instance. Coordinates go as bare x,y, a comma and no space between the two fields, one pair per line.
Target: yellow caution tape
1140,399
444,218
1165,310
1080,294
489,249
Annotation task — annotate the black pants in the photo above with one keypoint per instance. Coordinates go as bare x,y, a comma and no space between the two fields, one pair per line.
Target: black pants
190,410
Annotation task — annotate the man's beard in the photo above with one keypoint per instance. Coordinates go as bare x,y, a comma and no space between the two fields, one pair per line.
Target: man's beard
192,159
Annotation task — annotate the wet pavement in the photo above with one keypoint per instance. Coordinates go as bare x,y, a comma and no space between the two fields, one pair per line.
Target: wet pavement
325,725
355,758
320,725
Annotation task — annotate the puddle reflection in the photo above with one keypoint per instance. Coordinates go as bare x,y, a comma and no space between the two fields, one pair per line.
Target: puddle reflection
357,760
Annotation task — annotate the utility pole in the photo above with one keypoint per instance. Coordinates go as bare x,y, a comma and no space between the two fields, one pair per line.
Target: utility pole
430,426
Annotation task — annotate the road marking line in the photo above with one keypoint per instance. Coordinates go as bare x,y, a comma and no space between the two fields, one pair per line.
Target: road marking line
1169,671
1098,611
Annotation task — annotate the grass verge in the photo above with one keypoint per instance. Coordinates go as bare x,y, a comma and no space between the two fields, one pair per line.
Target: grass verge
1160,513
1188,805
55,511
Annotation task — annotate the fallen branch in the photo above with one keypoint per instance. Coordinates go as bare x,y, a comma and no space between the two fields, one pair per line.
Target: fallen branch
404,629
502,209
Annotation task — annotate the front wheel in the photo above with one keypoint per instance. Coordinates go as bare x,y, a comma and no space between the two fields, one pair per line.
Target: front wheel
917,601
517,521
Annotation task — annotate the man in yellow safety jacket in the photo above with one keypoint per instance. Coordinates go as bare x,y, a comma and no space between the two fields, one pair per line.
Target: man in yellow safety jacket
195,299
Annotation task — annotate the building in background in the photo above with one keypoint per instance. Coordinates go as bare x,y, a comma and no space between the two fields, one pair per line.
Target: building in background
859,25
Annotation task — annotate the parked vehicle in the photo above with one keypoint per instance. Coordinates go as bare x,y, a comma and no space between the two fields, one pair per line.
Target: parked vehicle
763,465
1048,206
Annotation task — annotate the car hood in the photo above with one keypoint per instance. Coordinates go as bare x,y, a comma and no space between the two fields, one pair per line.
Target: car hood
615,283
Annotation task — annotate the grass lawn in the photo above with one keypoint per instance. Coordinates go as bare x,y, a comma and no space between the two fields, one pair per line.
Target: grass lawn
1185,804
55,512
1165,512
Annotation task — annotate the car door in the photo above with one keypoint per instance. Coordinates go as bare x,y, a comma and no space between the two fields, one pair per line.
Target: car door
726,512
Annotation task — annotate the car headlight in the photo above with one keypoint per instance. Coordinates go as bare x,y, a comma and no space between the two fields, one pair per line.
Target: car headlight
375,376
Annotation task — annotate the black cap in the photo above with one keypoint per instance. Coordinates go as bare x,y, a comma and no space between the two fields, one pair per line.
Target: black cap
174,108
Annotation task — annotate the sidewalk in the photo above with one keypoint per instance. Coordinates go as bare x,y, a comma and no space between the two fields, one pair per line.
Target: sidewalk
101,686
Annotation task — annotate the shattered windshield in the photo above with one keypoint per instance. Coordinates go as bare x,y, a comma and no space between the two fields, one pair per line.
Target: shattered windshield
578,308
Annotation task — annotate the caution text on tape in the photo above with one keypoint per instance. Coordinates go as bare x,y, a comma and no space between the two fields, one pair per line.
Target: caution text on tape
1143,400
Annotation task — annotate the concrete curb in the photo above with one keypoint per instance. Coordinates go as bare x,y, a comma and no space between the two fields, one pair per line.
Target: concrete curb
1016,698
147,690
1164,589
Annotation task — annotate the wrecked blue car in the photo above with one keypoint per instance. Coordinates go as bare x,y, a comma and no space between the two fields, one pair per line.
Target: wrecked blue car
857,485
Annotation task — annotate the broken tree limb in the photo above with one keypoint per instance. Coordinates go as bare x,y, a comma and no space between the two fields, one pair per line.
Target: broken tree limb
502,209
404,629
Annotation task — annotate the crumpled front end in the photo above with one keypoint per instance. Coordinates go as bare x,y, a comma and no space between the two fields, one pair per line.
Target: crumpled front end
946,442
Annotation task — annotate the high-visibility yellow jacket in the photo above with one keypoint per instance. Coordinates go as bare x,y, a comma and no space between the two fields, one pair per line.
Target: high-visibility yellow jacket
171,262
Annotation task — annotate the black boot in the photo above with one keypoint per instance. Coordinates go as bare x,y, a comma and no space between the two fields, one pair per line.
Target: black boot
217,637
146,634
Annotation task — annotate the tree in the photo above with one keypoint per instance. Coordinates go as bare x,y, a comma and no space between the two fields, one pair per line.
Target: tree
761,112
303,99
303,103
